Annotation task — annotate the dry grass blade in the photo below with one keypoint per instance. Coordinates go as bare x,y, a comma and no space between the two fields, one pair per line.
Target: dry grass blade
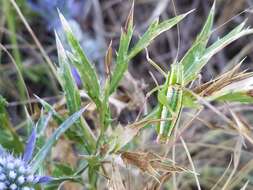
223,175
213,108
243,130
37,42
116,182
245,186
244,171
155,185
19,75
191,162
237,155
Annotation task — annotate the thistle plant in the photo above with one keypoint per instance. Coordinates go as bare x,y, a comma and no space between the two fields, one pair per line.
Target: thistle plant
108,143
23,172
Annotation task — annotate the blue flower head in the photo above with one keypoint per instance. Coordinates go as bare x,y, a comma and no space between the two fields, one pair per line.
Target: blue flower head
16,173
48,9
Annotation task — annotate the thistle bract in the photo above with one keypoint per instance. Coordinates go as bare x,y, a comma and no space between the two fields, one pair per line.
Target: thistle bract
16,173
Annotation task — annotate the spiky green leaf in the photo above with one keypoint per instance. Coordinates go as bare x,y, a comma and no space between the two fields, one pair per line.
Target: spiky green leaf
192,58
43,152
85,68
122,55
153,31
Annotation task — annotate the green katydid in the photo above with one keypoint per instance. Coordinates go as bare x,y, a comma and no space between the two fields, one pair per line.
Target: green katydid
173,95
170,98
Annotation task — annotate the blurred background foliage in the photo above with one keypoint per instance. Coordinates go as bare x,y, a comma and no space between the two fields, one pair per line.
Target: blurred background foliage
95,23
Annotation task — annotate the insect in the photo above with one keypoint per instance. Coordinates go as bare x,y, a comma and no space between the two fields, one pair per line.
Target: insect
170,99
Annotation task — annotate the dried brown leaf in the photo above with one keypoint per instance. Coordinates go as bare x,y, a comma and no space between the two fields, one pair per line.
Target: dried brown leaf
108,60
151,163
230,77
